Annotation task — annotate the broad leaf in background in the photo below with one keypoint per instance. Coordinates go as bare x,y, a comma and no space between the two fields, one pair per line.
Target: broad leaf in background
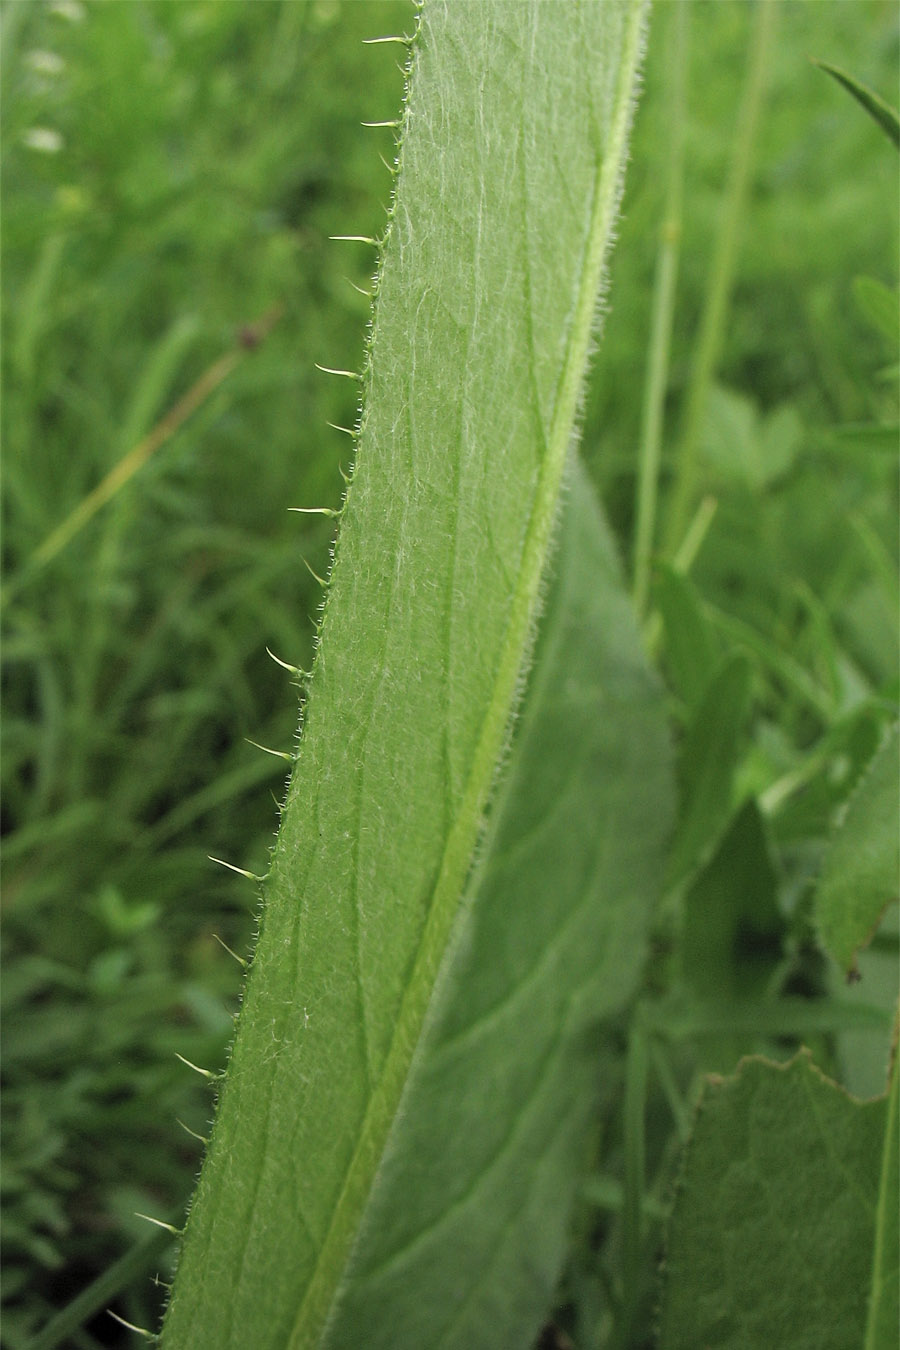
466,1230
512,151
860,872
772,1239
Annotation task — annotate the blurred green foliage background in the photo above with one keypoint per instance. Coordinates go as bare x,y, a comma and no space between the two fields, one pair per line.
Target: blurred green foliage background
171,172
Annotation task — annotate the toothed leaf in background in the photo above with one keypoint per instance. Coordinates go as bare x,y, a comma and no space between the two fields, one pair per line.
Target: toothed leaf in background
860,872
513,147
772,1235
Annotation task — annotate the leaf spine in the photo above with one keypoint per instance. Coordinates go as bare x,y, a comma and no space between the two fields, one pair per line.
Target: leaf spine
139,1331
205,1073
193,1133
322,582
279,754
240,960
330,370
241,871
160,1223
400,38
316,510
296,671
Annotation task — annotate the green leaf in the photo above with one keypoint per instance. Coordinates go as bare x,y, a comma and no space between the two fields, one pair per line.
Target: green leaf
465,1232
511,159
744,448
866,438
874,104
879,305
830,772
707,762
860,871
731,935
693,648
772,1235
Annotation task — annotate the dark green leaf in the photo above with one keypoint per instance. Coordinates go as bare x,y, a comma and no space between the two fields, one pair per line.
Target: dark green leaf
860,873
772,1236
693,648
709,755
880,306
731,936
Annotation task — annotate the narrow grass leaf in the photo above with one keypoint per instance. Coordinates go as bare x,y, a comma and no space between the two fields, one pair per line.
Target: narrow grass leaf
880,111
137,1261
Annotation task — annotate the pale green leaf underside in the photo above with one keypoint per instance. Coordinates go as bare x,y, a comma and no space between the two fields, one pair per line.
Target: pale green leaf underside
513,146
772,1235
861,868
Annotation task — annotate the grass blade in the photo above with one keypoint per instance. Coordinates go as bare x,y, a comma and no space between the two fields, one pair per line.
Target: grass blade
881,112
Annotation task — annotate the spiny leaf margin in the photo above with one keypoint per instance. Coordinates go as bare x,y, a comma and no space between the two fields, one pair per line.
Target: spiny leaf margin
430,616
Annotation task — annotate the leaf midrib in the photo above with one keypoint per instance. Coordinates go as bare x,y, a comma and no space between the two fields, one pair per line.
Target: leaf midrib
313,1313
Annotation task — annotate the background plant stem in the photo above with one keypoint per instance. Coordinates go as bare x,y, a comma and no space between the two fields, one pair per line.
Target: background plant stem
652,412
721,274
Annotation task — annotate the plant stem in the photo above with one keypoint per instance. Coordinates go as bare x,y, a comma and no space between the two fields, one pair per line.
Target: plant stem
721,275
636,1068
122,472
881,1313
663,313
136,1261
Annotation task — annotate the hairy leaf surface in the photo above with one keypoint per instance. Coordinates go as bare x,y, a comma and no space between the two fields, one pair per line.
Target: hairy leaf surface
513,143
466,1228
